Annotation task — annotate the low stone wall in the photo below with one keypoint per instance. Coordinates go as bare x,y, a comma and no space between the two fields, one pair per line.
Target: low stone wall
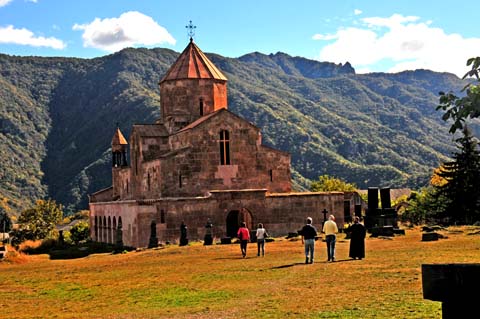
279,213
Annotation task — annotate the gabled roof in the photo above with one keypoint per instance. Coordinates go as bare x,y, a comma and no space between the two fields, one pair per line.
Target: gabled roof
205,118
118,138
193,64
150,130
200,120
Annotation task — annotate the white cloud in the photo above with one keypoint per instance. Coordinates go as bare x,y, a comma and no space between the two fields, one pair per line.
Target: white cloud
324,36
402,42
10,35
131,28
357,12
4,2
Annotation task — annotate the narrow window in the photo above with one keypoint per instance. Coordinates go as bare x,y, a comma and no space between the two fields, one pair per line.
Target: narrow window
201,106
162,216
148,181
180,180
224,148
270,172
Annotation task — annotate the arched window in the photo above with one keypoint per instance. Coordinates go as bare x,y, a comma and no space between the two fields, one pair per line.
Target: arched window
224,147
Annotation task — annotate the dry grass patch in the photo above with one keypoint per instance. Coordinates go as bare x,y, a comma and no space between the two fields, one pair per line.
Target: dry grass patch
215,282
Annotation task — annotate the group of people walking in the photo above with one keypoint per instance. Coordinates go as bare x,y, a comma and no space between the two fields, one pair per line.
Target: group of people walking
309,235
244,235
330,229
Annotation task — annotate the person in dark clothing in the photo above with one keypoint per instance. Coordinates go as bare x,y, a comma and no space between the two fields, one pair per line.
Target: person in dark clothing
357,239
309,232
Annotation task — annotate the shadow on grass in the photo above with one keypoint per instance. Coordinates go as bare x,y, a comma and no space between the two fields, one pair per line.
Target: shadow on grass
342,260
65,251
316,262
287,266
234,258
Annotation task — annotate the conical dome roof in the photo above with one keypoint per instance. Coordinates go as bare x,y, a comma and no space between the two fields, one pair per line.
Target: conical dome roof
193,64
118,138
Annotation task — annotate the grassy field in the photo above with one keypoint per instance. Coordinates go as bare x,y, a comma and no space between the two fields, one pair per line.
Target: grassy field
215,282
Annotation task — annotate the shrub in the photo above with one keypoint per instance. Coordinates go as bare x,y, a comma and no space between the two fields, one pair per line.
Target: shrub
79,232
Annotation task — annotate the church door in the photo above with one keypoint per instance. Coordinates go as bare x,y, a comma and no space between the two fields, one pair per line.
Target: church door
235,218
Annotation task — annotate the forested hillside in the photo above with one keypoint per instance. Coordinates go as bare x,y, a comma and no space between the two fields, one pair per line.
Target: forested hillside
57,117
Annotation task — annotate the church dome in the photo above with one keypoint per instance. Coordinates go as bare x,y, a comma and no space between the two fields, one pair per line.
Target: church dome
193,64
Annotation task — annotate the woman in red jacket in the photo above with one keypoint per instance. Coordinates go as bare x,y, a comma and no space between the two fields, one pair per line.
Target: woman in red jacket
244,235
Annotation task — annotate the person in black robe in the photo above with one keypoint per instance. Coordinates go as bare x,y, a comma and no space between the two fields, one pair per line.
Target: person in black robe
357,239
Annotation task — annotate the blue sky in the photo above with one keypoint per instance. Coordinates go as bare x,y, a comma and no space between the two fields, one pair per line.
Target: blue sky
373,35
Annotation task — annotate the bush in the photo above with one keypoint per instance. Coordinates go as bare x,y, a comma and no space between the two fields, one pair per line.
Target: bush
79,232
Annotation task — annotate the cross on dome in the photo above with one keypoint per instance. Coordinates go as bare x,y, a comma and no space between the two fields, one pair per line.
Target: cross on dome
191,30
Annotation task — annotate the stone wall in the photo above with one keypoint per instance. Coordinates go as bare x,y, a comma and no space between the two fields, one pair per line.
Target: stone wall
183,97
280,214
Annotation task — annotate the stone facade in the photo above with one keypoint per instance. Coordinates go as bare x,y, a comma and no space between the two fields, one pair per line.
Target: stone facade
200,162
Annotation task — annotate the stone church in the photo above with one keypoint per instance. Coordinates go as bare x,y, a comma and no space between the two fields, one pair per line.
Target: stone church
200,162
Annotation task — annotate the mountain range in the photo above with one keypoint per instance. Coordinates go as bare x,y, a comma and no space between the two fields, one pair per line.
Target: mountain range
58,115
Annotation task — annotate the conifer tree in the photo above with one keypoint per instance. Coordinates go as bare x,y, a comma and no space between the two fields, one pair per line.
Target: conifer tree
462,174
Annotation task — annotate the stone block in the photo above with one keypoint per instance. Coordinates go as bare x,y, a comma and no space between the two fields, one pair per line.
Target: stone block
226,240
382,231
455,286
432,236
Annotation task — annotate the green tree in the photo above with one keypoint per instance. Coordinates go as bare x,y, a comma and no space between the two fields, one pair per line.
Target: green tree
327,183
463,181
79,232
459,109
424,206
39,222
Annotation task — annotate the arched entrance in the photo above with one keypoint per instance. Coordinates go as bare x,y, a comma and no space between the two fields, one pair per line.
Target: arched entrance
235,217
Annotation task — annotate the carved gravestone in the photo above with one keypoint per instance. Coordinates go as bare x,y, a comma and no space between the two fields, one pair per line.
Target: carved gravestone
61,238
208,239
183,235
153,242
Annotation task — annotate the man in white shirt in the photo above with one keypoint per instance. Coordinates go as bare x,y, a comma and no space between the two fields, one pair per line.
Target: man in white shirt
330,229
